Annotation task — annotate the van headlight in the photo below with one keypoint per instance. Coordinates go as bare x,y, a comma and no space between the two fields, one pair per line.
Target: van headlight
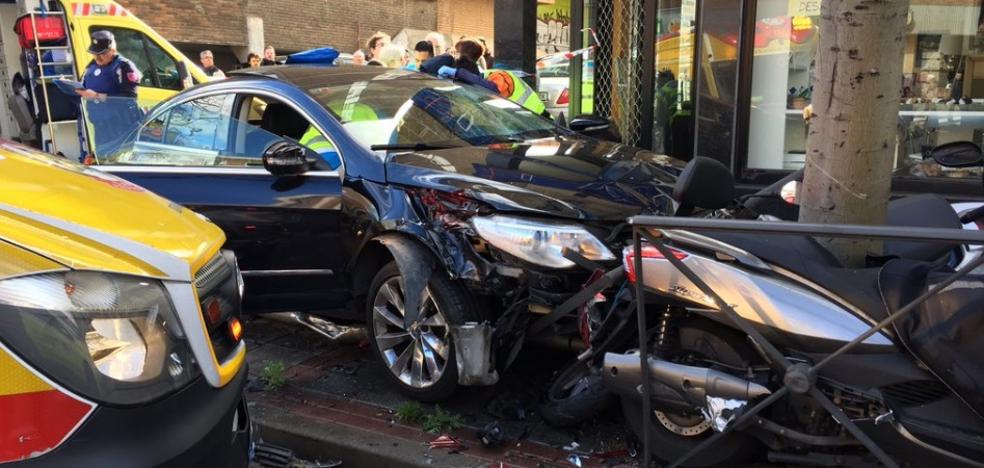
537,242
108,337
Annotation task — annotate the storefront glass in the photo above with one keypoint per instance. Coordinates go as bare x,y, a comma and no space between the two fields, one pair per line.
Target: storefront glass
717,78
673,111
942,92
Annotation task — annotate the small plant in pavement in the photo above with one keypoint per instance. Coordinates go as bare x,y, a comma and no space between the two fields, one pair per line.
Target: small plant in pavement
410,413
273,375
441,421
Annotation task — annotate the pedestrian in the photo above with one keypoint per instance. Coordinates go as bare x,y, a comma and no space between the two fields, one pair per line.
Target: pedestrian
109,91
392,56
208,65
437,42
422,52
269,56
376,43
358,57
253,60
463,68
489,59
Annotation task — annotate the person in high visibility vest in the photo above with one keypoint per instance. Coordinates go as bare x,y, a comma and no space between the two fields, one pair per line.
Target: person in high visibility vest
314,140
465,68
513,88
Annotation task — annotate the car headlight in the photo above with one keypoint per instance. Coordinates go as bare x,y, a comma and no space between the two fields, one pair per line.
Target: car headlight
108,337
538,242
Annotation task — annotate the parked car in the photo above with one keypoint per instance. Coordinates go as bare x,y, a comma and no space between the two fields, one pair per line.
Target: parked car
120,340
553,78
441,215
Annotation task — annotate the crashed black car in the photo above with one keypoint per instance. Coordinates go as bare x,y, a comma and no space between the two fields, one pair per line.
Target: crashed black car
449,220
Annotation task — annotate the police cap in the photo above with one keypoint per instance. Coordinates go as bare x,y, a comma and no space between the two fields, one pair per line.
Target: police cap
101,42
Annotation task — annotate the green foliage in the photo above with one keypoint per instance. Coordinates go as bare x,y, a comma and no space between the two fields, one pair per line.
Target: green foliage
273,375
410,413
441,421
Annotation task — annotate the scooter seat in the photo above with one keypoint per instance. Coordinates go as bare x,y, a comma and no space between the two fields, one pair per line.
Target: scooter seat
806,258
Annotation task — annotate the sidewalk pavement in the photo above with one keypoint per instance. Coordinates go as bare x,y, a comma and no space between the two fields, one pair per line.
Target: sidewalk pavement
337,404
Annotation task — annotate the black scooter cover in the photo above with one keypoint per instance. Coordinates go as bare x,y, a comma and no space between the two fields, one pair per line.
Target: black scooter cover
946,332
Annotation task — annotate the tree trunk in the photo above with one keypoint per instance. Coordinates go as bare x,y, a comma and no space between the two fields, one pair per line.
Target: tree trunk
855,102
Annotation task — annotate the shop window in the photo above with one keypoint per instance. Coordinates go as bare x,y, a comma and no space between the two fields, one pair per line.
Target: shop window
673,123
942,93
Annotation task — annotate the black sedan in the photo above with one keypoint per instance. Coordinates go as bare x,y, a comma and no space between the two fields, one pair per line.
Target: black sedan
442,216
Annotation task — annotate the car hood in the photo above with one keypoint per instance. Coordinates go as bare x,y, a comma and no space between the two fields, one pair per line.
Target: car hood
577,178
83,218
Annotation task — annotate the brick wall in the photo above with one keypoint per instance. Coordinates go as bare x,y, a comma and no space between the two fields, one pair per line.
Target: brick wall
289,25
212,21
456,18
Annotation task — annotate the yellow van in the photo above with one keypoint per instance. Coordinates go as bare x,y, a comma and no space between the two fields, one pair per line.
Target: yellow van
120,339
45,54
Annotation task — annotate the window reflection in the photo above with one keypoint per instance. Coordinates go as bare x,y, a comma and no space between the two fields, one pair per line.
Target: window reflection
942,92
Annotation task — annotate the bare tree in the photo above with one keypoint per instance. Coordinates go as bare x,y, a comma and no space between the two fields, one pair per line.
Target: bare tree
851,142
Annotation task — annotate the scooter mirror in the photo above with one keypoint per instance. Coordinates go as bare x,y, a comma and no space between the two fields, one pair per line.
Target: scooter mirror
790,192
958,154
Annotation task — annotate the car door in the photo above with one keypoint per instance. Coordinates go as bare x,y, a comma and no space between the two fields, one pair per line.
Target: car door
206,153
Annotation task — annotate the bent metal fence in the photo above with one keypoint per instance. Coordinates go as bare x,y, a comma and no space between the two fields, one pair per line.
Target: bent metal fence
799,378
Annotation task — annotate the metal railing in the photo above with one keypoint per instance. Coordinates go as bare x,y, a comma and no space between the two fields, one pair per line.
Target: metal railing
798,378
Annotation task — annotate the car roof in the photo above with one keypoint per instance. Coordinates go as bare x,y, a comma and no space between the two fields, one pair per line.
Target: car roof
319,76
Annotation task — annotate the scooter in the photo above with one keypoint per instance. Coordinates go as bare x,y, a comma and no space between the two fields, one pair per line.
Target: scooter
578,393
743,319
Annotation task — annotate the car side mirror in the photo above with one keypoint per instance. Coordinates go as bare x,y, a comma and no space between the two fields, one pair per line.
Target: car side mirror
590,125
183,75
285,158
958,154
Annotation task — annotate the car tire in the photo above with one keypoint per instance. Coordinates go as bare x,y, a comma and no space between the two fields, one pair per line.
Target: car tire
445,303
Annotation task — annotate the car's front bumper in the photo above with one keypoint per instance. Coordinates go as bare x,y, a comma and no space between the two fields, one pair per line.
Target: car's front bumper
198,426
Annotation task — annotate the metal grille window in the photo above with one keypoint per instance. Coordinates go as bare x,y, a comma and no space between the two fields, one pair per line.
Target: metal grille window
619,76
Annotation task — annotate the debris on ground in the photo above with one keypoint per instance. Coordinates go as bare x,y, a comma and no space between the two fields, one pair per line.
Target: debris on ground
272,456
510,407
574,459
491,435
446,441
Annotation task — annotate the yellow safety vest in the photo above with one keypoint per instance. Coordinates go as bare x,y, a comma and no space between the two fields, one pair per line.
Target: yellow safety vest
312,139
523,94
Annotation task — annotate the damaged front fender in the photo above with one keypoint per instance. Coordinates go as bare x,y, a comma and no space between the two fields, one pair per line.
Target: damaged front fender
416,266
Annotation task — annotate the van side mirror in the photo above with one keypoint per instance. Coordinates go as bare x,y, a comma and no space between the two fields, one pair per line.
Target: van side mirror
285,158
958,154
183,74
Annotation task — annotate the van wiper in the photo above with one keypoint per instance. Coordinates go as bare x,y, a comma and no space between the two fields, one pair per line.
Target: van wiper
413,146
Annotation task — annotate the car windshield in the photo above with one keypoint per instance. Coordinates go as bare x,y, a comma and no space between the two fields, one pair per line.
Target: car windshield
402,113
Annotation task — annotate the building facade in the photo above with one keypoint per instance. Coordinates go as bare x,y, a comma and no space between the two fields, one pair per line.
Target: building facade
729,79
234,28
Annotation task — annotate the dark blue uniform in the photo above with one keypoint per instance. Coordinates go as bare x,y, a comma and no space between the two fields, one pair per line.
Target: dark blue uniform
114,120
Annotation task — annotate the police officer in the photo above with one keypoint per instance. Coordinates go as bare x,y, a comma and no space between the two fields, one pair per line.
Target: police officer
110,93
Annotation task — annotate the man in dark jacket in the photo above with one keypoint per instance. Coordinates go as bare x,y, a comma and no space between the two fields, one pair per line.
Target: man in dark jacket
110,93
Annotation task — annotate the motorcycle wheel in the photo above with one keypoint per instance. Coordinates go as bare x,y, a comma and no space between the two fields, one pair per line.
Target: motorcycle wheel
576,395
672,434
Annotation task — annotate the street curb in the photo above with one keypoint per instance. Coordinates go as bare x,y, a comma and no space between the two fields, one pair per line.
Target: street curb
320,427
354,447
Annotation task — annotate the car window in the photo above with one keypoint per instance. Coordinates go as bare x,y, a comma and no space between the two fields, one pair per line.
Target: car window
157,67
426,111
264,121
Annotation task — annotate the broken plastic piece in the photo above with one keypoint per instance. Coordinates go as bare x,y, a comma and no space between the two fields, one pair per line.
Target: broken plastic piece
574,459
446,441
473,350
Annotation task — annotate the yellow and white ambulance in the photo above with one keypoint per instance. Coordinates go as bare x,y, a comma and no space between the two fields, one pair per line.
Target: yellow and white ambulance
43,41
